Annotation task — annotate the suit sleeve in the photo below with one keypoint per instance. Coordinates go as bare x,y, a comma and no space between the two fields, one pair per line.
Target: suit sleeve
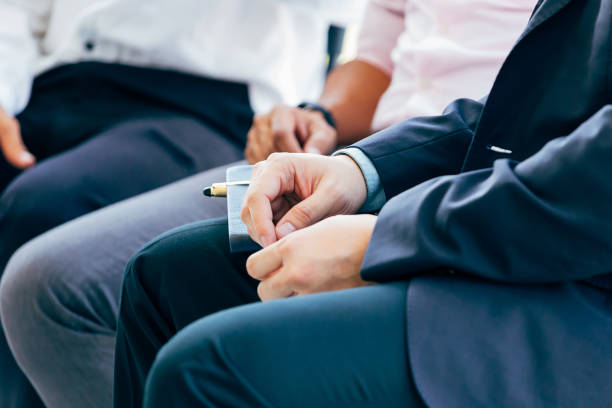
22,25
546,219
419,149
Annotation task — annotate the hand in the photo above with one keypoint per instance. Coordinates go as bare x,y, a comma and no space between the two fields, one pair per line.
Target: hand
297,190
287,129
324,257
11,143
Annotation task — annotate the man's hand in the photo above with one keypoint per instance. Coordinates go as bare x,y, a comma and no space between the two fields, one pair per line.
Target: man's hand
295,191
287,129
11,143
324,257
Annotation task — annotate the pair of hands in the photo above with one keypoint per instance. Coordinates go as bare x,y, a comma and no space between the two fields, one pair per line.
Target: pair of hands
295,208
292,208
11,143
289,129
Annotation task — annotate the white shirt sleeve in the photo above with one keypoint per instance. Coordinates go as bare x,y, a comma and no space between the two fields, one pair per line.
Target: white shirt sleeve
22,25
381,28
338,12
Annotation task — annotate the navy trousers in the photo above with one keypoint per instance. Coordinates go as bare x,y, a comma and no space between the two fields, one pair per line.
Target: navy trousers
337,349
103,133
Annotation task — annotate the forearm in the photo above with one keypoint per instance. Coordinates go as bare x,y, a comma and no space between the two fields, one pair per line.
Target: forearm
419,149
351,93
543,220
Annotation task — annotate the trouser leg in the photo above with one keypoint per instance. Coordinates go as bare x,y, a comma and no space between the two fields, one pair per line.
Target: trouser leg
185,274
337,349
60,292
16,392
70,108
123,161
117,164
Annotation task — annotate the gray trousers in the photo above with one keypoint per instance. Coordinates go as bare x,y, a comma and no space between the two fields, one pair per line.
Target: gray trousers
59,295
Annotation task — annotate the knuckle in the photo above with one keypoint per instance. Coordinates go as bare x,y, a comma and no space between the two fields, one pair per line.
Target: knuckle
249,201
258,120
300,278
280,134
250,264
243,216
258,167
275,157
302,214
261,291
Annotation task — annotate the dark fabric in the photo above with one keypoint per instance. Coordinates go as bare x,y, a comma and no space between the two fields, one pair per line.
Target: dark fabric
301,352
536,220
177,278
103,133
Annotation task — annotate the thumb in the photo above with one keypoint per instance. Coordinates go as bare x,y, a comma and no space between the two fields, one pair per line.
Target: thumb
13,148
321,141
304,214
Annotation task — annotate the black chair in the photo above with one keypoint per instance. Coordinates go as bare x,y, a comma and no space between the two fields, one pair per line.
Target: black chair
335,39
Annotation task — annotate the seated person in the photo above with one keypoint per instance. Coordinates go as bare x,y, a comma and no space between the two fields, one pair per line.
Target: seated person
77,269
113,99
485,280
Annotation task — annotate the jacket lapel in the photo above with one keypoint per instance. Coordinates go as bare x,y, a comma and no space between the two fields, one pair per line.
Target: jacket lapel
496,113
544,10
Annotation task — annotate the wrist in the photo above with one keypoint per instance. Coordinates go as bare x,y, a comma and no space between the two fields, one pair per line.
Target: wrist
315,107
354,180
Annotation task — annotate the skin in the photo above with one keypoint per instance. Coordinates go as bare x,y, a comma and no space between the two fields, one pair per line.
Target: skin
12,144
298,208
351,94
323,257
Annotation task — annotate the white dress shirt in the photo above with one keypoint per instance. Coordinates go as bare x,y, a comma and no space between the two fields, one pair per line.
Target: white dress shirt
437,50
276,47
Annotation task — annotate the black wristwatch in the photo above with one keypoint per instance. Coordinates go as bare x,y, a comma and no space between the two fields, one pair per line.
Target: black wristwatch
311,106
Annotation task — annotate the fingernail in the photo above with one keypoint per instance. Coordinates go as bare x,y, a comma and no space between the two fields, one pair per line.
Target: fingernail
285,229
26,157
312,149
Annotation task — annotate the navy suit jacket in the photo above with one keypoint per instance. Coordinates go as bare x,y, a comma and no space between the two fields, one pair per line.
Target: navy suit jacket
500,213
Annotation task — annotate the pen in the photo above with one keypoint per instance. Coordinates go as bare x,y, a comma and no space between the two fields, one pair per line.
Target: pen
220,189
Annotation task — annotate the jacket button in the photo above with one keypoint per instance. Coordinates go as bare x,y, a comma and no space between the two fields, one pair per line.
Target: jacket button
89,45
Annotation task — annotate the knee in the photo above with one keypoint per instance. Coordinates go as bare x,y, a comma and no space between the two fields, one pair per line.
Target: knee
170,260
24,290
47,281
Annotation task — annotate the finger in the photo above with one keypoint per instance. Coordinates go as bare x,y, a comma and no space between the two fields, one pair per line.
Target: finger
264,262
301,126
261,224
322,138
280,207
261,142
282,125
13,148
275,287
305,213
270,180
249,152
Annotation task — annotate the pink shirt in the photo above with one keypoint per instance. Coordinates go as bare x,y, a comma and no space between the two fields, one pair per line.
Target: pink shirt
437,50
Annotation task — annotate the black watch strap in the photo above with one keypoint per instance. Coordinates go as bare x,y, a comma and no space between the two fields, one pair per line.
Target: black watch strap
311,106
